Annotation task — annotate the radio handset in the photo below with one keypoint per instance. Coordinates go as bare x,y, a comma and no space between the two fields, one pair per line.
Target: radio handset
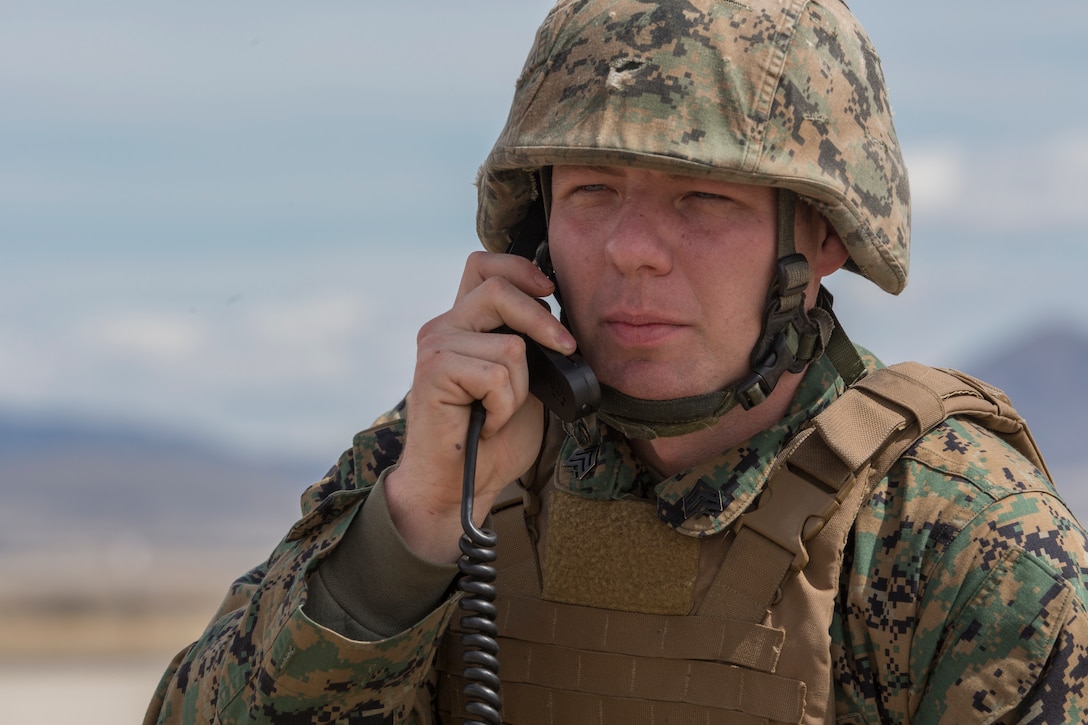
565,384
567,387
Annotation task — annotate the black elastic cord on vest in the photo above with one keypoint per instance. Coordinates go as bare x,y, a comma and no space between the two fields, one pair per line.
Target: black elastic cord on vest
482,695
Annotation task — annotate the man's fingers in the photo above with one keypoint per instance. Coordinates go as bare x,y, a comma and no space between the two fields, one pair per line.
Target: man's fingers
496,302
519,271
462,367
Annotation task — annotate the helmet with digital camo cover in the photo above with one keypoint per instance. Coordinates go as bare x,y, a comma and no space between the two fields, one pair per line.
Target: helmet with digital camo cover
782,93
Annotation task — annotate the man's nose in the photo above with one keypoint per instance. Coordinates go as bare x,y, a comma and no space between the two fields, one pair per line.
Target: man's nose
639,241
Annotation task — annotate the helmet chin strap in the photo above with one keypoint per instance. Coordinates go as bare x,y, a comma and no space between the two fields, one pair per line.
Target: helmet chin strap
790,339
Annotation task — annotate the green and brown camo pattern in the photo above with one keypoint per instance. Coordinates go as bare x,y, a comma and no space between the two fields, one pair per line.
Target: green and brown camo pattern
786,93
708,498
965,587
963,594
262,660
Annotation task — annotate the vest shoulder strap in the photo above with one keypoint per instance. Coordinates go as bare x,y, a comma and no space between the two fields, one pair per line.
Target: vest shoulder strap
856,439
789,549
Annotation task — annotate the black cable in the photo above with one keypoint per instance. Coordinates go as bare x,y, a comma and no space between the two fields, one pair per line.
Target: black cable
482,696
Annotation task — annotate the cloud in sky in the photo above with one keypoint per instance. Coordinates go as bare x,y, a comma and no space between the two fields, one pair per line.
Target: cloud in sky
280,357
232,218
938,180
1003,188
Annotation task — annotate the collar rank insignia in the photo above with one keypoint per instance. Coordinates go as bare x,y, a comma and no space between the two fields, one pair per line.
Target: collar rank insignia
702,500
582,462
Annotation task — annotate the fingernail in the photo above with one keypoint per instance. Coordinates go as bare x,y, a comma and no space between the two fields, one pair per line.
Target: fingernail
542,279
566,341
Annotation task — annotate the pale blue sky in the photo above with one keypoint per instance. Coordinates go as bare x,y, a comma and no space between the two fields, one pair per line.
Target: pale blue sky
230,218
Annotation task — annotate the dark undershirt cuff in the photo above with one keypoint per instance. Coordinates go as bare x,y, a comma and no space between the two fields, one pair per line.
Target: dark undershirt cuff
372,586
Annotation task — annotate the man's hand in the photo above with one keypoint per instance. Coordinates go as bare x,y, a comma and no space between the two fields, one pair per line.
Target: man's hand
458,361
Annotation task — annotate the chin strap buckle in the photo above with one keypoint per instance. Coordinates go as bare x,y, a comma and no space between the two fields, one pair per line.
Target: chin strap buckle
789,338
754,389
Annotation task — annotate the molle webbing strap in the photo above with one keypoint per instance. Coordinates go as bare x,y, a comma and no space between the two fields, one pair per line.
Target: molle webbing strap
553,676
516,565
569,660
586,657
527,704
640,635
513,518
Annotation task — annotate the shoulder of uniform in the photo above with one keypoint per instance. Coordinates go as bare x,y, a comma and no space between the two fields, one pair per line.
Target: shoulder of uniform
986,466
963,489
951,479
373,451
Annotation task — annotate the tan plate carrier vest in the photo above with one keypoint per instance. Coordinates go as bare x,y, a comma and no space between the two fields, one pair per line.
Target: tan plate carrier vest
756,648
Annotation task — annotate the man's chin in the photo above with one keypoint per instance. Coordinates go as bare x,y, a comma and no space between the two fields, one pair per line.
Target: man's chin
653,385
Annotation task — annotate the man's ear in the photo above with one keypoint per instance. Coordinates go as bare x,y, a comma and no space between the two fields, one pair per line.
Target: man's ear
833,253
824,247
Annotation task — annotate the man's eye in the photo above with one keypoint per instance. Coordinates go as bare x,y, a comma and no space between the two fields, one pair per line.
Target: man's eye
707,195
592,187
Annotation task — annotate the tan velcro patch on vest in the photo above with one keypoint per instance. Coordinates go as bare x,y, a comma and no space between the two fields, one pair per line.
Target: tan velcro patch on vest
617,555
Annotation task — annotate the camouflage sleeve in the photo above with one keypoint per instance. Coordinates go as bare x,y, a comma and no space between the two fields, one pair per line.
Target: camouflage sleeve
1014,645
968,586
263,660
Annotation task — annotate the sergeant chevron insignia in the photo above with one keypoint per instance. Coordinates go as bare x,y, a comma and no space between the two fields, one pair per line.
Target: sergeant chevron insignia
582,462
702,500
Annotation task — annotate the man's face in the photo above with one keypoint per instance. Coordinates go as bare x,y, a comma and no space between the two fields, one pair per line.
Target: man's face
664,277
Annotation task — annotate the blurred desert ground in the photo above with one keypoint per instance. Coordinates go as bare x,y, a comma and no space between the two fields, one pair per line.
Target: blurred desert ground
121,565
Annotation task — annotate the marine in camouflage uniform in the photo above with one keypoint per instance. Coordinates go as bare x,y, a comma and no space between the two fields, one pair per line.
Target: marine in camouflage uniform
962,592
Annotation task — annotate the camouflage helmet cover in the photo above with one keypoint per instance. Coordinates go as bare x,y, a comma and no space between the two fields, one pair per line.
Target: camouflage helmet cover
784,93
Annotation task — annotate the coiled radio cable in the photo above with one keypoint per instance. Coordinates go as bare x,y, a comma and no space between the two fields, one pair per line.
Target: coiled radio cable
483,698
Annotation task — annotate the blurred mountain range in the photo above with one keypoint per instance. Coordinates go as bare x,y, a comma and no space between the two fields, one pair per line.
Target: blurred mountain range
1045,373
69,483
64,478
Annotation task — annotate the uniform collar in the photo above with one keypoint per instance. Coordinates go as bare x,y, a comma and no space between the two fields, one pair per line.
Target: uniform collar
707,498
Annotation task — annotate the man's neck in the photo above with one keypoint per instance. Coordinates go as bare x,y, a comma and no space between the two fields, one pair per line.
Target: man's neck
670,456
